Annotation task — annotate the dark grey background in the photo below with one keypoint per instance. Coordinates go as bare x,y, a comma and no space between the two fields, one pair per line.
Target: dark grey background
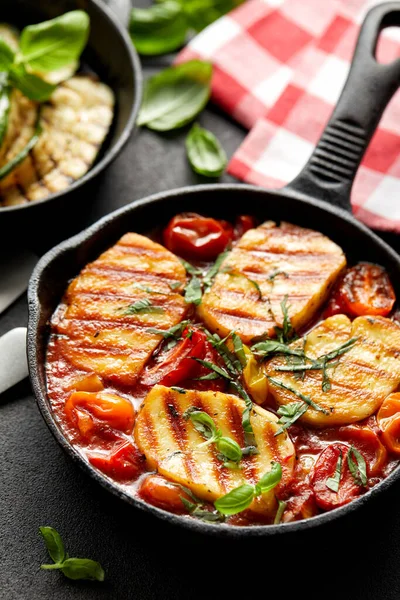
357,558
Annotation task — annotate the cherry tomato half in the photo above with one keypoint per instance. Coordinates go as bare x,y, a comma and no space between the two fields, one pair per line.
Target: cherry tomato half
366,290
177,365
92,412
160,492
195,237
323,469
388,419
124,463
367,442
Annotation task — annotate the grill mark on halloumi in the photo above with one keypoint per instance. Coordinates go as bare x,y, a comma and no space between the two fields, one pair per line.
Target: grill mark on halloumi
212,479
98,336
365,375
178,428
310,263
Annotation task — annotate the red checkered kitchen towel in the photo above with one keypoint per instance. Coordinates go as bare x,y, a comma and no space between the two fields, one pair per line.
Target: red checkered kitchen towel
279,67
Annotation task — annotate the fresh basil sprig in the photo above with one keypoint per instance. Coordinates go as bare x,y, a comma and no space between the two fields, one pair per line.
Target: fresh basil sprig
45,47
229,451
159,29
206,155
73,568
241,497
176,96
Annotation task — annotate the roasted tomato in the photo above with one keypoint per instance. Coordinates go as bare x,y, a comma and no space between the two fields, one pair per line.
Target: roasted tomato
95,413
179,367
195,237
177,364
324,469
243,223
388,418
366,290
367,442
124,463
160,492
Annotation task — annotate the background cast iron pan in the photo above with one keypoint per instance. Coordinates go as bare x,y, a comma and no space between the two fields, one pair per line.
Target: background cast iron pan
328,176
110,54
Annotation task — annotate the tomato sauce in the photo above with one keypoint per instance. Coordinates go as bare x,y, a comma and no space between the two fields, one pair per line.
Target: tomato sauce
105,439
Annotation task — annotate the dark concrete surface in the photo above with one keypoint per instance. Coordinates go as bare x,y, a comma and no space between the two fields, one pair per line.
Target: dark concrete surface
354,559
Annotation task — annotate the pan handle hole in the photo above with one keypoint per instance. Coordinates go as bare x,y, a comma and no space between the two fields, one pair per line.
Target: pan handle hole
387,46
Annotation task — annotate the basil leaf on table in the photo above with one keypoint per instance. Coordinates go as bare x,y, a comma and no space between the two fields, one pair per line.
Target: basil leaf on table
54,544
6,56
159,29
54,44
201,13
175,96
82,568
73,568
205,153
30,85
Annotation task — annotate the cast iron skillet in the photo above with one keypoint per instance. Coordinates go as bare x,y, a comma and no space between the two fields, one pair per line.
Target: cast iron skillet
110,54
328,176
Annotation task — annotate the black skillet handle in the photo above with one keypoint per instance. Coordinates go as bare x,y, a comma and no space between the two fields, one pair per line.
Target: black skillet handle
330,172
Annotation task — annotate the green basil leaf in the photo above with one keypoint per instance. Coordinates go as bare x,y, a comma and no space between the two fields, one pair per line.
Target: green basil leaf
219,370
269,480
272,348
303,397
54,543
289,413
6,56
20,157
238,347
193,291
201,13
82,568
175,96
236,500
159,29
213,271
229,449
205,153
333,482
190,268
30,85
54,44
203,423
359,470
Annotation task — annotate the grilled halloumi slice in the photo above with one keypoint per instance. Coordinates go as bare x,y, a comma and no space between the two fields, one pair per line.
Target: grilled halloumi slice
277,261
97,332
172,445
362,379
75,123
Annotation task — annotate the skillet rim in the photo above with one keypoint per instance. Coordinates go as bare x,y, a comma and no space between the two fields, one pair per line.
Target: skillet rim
34,332
111,154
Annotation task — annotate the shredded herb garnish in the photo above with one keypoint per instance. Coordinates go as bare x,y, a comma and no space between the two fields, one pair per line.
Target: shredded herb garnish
289,413
303,397
141,306
276,273
358,469
279,513
193,291
333,482
213,271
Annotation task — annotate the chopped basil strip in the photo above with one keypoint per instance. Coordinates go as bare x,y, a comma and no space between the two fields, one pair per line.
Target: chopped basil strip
213,271
289,413
303,397
141,306
193,291
358,469
333,482
238,347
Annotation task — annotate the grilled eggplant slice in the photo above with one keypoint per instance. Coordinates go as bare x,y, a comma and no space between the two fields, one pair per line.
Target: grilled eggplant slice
268,264
75,123
110,306
363,377
172,445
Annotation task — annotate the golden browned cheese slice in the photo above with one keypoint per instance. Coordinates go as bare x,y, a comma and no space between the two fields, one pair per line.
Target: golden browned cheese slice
277,261
172,445
98,333
75,123
360,382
